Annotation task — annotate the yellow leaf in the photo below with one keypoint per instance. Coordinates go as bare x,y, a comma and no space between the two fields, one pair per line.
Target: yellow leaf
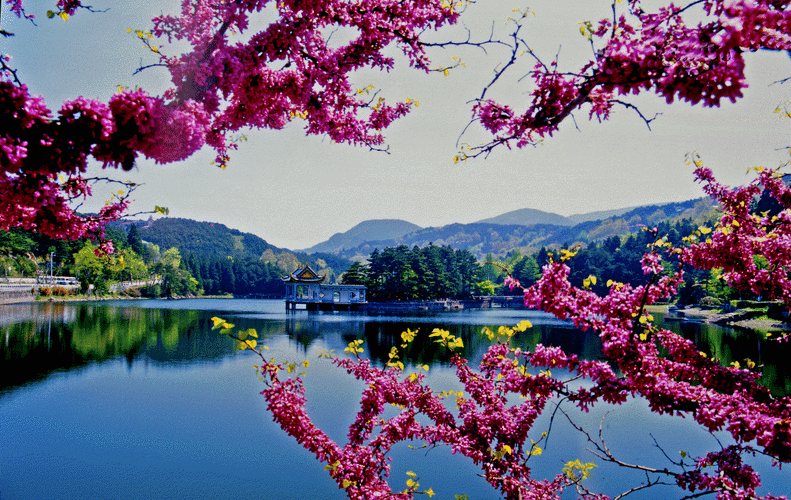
64,16
523,325
445,72
430,492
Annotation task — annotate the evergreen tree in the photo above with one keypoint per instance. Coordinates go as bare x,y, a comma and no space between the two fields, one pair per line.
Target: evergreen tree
134,240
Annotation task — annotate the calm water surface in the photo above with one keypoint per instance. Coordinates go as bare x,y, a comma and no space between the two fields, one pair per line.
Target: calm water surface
130,400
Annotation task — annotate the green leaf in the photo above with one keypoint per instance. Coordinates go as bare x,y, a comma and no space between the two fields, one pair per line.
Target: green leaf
50,14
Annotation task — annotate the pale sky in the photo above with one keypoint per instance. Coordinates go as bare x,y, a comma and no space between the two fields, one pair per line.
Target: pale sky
295,191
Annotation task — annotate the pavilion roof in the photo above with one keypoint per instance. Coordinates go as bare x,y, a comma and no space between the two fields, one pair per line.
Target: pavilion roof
303,275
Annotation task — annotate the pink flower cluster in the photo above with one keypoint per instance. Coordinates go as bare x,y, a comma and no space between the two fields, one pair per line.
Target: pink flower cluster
290,70
692,52
753,249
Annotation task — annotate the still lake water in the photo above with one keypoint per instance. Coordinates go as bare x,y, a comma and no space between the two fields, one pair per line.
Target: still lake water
140,399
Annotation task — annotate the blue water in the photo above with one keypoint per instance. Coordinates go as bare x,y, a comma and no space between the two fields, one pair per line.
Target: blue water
178,414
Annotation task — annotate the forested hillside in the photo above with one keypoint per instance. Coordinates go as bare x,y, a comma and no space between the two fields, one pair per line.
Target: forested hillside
482,239
224,260
203,238
211,241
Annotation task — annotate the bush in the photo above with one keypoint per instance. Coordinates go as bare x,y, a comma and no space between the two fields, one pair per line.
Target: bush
710,302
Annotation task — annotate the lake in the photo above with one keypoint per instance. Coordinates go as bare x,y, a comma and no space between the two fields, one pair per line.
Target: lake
140,399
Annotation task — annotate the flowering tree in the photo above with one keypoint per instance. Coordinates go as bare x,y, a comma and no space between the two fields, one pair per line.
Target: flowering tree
692,51
289,70
497,432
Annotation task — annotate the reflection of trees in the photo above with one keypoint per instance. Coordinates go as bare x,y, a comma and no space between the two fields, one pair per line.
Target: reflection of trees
67,336
308,327
730,345
43,338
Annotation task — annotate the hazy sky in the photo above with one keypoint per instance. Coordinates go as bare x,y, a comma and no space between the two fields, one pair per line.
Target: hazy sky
295,191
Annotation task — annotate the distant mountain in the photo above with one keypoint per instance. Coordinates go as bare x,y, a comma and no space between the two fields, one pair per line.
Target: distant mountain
528,217
370,230
498,239
600,215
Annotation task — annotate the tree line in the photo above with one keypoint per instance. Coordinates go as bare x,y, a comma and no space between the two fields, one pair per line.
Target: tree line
427,273
169,273
617,259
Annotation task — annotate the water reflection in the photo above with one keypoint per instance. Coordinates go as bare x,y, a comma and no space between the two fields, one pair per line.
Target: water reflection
40,339
156,387
736,345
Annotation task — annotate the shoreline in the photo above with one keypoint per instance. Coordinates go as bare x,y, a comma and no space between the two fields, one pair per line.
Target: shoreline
735,319
84,298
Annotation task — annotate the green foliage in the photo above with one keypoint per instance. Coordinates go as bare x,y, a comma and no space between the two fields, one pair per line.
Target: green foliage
577,471
484,287
428,273
134,240
616,259
15,241
226,261
88,268
357,274
203,238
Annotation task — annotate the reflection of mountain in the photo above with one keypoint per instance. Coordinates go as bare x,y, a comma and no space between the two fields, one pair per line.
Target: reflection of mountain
49,338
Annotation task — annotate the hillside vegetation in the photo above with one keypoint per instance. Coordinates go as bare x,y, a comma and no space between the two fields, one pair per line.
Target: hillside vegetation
499,240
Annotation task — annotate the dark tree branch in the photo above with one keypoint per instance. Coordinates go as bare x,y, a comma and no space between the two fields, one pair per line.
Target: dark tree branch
634,108
147,66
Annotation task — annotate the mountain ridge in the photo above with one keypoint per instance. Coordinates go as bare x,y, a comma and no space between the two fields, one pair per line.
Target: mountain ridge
485,237
481,238
528,217
367,230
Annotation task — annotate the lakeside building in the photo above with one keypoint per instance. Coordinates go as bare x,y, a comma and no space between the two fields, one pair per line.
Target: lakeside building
305,289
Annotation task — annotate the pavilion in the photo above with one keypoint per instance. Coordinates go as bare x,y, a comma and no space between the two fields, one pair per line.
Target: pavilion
305,289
